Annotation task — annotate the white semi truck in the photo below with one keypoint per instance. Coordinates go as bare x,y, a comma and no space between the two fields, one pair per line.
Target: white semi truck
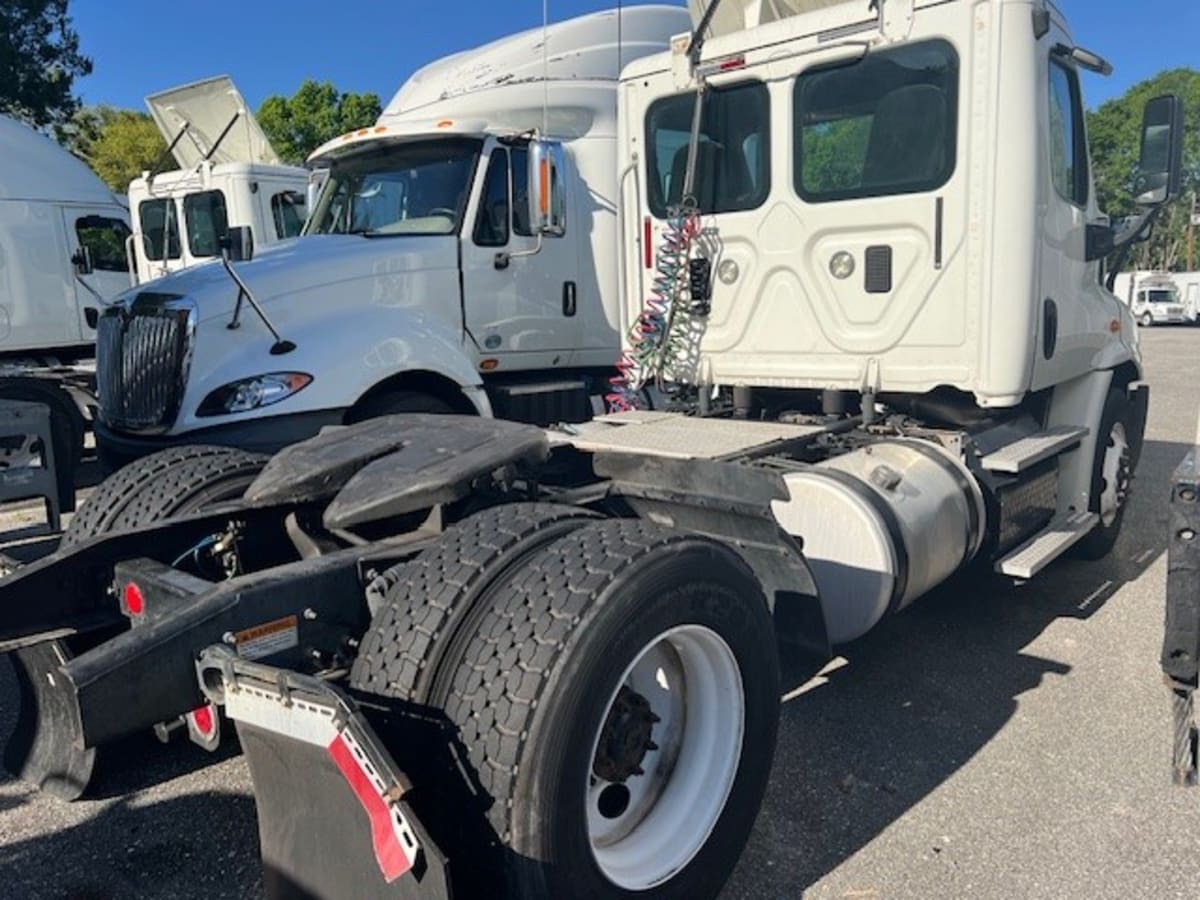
860,248
229,175
62,259
418,284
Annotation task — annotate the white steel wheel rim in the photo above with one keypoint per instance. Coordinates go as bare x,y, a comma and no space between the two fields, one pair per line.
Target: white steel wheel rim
693,684
1115,456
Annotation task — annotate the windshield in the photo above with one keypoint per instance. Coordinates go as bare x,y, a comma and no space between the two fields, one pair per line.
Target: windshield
1161,296
404,189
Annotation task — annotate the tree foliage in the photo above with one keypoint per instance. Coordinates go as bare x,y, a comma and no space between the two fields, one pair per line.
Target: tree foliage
1114,132
39,61
316,113
118,144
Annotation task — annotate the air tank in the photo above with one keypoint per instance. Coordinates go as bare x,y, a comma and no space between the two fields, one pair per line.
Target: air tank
881,526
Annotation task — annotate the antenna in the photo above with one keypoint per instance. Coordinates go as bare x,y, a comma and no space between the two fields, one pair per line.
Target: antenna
545,67
619,11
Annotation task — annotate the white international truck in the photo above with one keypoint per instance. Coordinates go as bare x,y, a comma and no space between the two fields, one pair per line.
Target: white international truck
418,284
62,259
860,250
228,175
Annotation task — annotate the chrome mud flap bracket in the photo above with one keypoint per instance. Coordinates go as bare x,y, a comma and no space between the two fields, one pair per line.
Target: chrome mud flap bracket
1181,641
332,818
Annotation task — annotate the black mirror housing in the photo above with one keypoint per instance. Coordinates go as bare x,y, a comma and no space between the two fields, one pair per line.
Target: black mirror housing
1160,164
238,244
82,260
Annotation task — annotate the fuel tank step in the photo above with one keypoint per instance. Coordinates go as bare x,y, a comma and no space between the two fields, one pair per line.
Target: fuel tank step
1048,545
1029,451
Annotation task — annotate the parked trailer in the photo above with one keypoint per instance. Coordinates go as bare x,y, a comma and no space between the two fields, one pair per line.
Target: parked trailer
62,258
474,655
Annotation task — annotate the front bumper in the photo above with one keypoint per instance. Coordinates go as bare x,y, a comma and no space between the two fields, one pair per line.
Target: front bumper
267,434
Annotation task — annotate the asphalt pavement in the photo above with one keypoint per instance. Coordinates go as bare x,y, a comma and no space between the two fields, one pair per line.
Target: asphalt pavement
993,741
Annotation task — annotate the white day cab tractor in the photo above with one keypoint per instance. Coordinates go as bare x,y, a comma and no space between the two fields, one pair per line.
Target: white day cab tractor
62,258
418,284
229,176
473,655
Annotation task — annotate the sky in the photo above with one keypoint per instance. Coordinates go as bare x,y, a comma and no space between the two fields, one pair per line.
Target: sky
271,46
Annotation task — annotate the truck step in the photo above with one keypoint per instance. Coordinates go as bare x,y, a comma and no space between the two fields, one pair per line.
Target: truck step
1029,451
1048,545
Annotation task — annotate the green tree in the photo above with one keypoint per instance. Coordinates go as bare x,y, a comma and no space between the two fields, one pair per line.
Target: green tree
316,113
39,61
118,144
1114,131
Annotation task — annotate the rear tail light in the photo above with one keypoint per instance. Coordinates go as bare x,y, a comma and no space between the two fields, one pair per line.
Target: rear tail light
647,245
133,601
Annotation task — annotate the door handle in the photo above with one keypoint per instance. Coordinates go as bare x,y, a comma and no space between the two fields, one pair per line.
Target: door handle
568,299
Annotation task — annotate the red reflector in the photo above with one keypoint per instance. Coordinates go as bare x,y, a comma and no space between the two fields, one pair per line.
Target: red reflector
647,237
135,603
202,718
729,65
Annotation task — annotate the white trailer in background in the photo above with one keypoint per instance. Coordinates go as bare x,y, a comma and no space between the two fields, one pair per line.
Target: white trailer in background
1188,286
62,258
229,175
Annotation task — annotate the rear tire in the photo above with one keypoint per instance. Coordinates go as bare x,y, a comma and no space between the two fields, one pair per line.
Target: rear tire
418,607
169,483
549,680
43,750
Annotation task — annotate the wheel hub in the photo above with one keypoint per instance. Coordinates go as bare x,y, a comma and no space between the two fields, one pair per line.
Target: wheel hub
626,738
1117,473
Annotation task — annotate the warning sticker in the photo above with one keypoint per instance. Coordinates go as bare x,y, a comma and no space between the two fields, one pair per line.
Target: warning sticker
268,639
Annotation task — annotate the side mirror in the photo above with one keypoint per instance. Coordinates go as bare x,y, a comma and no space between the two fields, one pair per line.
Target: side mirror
316,181
1160,166
547,188
238,244
82,260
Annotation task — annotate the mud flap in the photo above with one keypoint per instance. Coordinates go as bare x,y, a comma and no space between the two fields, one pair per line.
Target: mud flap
1181,640
46,748
332,819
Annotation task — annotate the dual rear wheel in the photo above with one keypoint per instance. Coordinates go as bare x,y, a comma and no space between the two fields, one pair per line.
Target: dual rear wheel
613,687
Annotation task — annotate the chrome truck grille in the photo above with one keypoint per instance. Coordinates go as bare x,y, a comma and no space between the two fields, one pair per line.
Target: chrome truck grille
142,359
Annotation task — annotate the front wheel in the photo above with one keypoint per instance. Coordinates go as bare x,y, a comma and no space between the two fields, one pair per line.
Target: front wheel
1146,320
619,702
1112,475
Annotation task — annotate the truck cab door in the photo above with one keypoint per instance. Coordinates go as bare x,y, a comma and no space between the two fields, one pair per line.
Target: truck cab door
519,303
1075,313
98,265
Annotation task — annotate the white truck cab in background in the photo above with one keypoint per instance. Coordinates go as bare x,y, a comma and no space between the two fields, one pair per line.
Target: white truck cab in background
228,176
418,283
1159,298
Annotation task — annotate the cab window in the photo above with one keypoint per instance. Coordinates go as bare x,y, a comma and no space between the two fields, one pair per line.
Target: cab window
104,239
491,225
1068,145
287,210
883,125
160,229
732,157
207,222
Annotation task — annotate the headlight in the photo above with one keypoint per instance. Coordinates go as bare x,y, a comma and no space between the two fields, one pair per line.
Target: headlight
253,393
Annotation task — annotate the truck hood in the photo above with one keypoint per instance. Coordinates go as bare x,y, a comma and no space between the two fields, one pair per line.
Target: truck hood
306,265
